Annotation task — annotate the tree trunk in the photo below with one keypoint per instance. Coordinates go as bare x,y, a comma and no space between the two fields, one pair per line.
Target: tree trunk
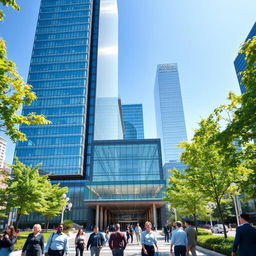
17,220
222,219
195,221
46,226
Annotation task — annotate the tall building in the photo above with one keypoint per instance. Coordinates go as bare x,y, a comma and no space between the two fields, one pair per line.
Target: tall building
240,62
3,144
133,121
171,128
74,72
75,48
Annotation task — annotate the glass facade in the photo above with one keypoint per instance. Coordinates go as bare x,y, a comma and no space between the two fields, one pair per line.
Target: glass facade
63,75
170,118
126,170
133,121
240,62
171,165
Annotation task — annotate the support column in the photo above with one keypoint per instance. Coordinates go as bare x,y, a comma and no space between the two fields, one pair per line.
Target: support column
105,218
97,215
101,218
154,216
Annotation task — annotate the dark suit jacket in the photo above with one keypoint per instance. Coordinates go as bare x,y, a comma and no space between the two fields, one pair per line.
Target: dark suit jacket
246,240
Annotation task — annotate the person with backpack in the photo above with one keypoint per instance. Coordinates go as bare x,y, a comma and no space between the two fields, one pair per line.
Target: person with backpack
57,244
95,242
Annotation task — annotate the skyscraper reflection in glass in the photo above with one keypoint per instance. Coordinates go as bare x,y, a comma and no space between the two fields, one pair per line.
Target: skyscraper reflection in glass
133,121
170,119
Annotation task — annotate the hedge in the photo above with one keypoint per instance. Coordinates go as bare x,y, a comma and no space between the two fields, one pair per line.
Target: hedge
216,243
203,232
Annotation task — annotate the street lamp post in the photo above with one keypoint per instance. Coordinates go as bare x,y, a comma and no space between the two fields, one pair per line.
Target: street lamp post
67,206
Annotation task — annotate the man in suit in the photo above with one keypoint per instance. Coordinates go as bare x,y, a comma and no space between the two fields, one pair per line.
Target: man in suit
245,238
192,238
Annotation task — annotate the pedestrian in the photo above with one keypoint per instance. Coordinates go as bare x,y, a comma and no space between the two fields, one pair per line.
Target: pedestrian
148,241
95,242
128,233
34,245
7,241
138,231
131,233
245,238
107,235
57,244
80,242
166,233
192,238
117,242
179,240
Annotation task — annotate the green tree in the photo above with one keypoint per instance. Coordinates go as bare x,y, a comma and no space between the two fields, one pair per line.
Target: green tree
183,196
14,93
25,190
3,195
213,167
54,201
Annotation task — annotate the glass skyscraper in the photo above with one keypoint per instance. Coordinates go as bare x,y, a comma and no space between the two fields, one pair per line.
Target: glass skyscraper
74,72
171,128
76,44
240,62
133,121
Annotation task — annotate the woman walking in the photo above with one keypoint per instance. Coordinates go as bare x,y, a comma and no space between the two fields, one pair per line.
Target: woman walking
7,241
148,241
34,245
80,242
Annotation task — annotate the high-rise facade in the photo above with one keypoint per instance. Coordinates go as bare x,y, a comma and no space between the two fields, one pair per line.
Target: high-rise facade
240,62
171,128
133,121
74,72
75,47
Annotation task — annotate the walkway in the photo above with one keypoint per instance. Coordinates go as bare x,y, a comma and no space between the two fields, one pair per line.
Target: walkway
131,249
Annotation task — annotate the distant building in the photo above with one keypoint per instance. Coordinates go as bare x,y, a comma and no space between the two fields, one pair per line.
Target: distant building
171,128
133,121
3,144
240,62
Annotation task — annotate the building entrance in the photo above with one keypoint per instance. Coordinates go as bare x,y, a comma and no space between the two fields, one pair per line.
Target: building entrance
126,213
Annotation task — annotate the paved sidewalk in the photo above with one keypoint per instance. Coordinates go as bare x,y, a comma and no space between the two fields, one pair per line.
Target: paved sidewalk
131,249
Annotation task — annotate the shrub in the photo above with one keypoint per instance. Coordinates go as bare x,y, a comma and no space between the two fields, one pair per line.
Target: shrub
203,232
68,224
216,243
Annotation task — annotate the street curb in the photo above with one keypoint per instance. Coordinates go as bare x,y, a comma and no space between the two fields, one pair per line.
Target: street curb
209,252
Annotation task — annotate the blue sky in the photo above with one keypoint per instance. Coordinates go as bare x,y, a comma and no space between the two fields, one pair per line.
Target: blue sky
202,36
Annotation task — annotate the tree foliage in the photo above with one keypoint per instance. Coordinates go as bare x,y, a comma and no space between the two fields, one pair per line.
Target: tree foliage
28,192
14,93
213,167
183,195
12,3
54,199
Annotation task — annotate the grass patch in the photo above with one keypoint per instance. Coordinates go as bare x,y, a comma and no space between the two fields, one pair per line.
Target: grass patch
216,243
23,236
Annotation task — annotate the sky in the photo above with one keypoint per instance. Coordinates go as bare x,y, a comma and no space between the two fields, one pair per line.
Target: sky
202,36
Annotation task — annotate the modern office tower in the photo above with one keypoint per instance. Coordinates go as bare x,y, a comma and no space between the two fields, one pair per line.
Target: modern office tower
3,144
133,121
75,48
240,62
73,64
127,183
171,128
